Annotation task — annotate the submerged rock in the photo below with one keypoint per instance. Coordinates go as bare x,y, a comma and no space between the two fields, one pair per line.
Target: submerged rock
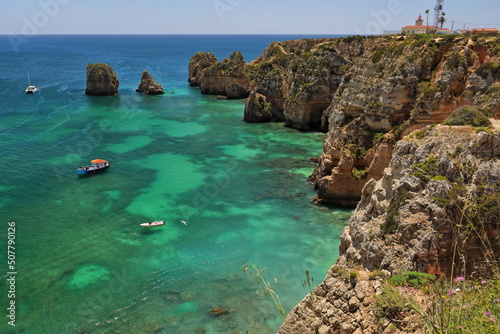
101,80
148,85
216,311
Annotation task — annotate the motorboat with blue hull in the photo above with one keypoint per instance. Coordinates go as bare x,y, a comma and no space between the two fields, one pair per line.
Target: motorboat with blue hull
97,165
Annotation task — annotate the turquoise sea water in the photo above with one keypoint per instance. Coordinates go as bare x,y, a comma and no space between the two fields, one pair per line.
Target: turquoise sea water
83,263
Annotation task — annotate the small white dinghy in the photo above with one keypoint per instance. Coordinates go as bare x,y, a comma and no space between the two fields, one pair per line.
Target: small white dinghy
153,224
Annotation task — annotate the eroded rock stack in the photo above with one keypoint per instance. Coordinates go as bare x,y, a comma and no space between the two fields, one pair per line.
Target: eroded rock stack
148,85
101,80
226,78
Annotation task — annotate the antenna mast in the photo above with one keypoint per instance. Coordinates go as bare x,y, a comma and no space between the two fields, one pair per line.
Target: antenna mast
437,12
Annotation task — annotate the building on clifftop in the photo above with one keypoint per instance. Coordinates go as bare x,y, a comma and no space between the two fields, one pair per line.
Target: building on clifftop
418,28
476,31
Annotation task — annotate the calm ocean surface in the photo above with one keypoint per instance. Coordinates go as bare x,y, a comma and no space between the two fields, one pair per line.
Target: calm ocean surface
83,263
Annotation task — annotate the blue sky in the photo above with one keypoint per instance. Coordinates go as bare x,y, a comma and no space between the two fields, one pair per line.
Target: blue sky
234,16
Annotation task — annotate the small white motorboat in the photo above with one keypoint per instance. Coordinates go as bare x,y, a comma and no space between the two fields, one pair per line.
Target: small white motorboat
153,224
30,89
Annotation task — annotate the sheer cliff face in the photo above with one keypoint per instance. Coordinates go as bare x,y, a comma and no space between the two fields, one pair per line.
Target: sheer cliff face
434,210
294,81
390,89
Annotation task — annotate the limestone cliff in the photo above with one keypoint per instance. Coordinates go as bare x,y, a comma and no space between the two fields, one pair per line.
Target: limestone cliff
367,92
148,85
434,210
393,87
101,80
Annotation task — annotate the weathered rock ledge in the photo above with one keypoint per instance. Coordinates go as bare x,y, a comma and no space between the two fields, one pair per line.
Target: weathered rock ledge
101,80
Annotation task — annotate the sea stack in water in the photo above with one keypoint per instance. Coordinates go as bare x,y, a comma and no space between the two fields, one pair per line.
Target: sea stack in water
101,80
148,85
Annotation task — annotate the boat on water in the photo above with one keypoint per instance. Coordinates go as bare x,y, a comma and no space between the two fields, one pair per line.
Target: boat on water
30,89
97,166
153,224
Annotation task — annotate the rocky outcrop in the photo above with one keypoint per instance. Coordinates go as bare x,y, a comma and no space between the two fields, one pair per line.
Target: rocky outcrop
434,210
101,80
220,75
258,109
199,62
226,78
411,219
295,81
148,85
344,303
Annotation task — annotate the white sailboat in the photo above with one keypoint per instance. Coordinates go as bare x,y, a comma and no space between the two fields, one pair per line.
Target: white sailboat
30,89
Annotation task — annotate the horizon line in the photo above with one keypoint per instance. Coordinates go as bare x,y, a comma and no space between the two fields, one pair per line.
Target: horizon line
172,34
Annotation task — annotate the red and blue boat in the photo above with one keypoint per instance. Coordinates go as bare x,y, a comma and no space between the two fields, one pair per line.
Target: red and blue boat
98,165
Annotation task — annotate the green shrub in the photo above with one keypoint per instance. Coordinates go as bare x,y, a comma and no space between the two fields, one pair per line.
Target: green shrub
376,274
428,89
488,67
341,272
439,178
483,130
426,169
412,278
378,55
358,174
396,50
454,60
373,104
391,304
468,115
358,151
420,134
